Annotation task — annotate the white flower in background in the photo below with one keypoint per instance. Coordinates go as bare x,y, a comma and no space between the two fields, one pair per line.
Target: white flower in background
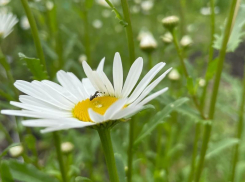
67,147
148,42
4,2
7,22
167,38
104,3
174,75
135,9
24,23
106,13
202,82
97,24
93,101
143,32
16,151
186,41
82,58
137,1
147,5
207,10
49,5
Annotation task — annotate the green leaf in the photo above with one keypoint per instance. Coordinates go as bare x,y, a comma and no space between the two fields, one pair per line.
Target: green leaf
35,67
190,86
7,149
159,118
120,168
82,179
27,172
221,146
5,172
236,34
212,67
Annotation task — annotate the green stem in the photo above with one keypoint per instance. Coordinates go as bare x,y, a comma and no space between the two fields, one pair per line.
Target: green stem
208,127
239,132
6,66
59,155
129,30
87,37
131,49
181,58
194,152
6,133
105,138
149,60
211,53
34,31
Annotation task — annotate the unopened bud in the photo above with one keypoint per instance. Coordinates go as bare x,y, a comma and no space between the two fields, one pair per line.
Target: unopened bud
170,22
148,43
67,147
16,151
202,82
186,41
174,75
167,38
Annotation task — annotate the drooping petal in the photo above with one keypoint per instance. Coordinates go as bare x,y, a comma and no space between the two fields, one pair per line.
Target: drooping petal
114,108
95,117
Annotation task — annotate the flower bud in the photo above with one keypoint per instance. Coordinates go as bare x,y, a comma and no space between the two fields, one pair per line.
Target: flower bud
202,82
67,147
16,151
186,41
174,75
82,58
167,38
170,22
148,43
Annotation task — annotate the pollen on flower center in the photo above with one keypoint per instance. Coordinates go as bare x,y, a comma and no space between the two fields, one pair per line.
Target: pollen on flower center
98,104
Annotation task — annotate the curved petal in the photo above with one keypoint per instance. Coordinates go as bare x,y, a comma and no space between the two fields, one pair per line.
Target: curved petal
97,118
117,75
114,108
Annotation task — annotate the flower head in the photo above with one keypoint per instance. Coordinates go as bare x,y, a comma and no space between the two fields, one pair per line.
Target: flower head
4,2
186,41
170,22
90,102
7,22
16,151
148,43
167,38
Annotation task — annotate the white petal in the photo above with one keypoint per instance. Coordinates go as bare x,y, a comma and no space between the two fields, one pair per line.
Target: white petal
153,96
114,108
89,88
125,112
117,75
150,88
95,117
133,76
101,65
107,83
145,81
51,122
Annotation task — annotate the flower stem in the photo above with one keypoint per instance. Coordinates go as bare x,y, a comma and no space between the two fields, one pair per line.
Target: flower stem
59,155
105,138
211,53
194,152
239,132
131,49
149,60
181,58
34,31
208,127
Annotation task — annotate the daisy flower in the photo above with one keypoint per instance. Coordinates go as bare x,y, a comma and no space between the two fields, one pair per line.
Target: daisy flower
7,22
93,101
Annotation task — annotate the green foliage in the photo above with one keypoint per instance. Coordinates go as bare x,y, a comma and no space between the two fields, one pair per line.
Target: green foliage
35,66
26,172
236,34
5,151
120,168
82,179
158,119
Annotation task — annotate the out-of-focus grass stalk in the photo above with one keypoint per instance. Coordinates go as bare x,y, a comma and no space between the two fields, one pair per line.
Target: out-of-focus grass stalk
181,58
6,66
87,37
131,49
5,132
194,152
182,15
34,31
105,138
222,53
239,132
59,155
211,53
149,60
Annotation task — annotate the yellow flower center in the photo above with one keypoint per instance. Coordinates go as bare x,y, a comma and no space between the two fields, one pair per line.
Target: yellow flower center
98,104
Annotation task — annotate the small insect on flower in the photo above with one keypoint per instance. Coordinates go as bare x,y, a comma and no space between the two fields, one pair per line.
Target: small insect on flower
96,94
